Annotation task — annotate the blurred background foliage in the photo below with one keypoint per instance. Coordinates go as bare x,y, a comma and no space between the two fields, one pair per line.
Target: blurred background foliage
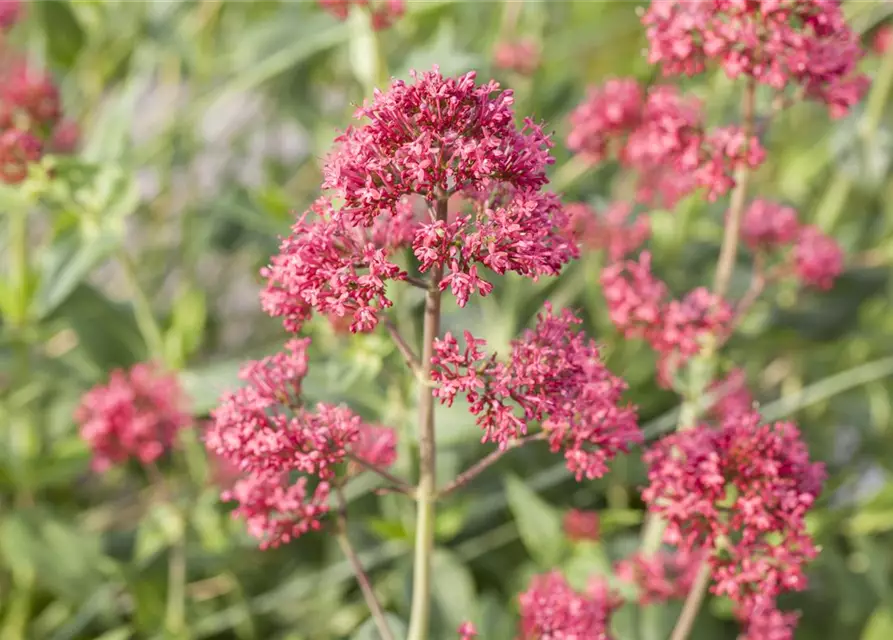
204,123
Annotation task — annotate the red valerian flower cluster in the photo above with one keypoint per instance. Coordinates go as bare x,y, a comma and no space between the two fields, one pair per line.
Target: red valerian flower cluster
521,56
610,231
264,429
741,491
816,259
554,377
467,631
661,136
335,269
780,43
384,12
10,13
675,329
552,610
667,575
30,111
581,525
137,414
735,397
432,139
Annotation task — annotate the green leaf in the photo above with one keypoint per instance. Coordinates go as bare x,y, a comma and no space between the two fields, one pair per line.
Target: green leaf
184,335
368,631
62,559
65,35
107,331
880,625
539,525
364,55
66,265
453,591
205,386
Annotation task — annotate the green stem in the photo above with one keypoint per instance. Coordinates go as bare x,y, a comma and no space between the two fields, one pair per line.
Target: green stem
877,98
19,268
378,616
692,604
701,368
142,308
426,493
836,195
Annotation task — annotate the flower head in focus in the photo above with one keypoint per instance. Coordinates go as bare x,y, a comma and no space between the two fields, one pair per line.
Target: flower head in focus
553,376
552,610
433,136
288,453
433,140
136,414
332,268
779,43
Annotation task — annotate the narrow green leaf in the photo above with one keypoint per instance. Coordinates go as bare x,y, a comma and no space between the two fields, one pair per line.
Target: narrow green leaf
368,631
539,525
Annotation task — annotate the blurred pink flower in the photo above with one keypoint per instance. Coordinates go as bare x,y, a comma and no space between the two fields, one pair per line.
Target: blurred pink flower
137,414
779,43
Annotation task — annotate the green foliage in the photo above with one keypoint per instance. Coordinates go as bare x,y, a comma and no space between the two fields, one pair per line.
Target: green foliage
204,125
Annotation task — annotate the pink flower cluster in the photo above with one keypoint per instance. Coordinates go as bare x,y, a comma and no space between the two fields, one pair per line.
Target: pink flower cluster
10,13
581,525
735,398
817,259
610,231
384,12
264,430
667,575
675,329
554,377
742,491
30,113
435,138
521,56
661,136
336,269
467,631
137,414
552,610
778,43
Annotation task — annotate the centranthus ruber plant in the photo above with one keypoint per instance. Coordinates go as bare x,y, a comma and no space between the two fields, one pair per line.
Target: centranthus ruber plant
438,170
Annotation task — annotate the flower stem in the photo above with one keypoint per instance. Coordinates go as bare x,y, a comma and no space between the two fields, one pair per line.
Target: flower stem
692,603
381,623
19,269
142,308
729,249
426,493
476,469
701,369
396,483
